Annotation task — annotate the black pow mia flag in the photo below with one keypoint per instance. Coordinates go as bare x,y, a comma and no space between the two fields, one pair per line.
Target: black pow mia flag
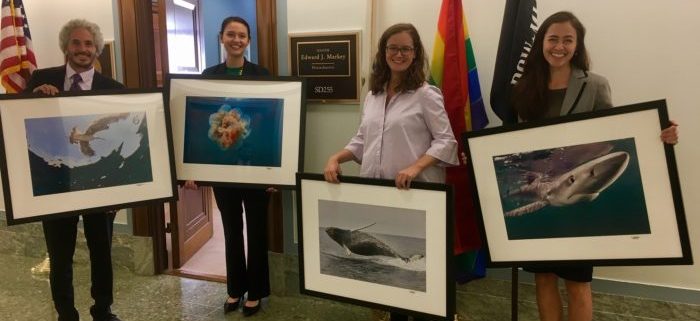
517,34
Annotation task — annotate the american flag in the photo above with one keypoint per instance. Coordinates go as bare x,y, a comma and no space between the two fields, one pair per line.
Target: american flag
17,61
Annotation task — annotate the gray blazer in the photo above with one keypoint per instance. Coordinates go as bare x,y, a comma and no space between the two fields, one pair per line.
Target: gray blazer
586,92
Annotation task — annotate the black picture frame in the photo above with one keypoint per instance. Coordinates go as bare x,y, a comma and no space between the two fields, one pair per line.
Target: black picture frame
562,150
288,104
426,207
28,201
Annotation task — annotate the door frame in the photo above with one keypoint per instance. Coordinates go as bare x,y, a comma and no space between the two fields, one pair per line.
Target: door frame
139,70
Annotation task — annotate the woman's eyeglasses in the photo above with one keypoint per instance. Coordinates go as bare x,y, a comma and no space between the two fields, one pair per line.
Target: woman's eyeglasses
392,50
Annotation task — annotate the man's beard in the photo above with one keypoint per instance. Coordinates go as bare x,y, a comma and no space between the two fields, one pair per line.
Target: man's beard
77,59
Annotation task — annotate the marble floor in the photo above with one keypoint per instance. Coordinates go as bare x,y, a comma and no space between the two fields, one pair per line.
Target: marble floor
26,297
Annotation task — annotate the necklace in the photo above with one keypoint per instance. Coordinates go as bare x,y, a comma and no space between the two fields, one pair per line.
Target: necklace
234,71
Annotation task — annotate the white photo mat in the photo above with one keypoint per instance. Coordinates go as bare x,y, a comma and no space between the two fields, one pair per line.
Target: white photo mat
644,126
432,202
26,205
289,91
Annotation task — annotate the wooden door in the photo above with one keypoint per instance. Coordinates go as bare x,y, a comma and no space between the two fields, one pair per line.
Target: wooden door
145,61
136,21
191,223
191,218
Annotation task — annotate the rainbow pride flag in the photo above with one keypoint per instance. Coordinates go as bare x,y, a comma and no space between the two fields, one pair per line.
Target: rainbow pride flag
453,69
460,80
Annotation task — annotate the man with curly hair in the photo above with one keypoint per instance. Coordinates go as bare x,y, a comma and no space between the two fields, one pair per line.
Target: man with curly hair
81,42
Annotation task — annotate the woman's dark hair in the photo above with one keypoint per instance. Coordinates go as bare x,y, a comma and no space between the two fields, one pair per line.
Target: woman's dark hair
234,19
416,72
530,93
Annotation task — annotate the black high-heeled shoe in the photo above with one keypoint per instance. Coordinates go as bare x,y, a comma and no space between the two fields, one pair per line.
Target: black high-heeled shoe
249,311
231,306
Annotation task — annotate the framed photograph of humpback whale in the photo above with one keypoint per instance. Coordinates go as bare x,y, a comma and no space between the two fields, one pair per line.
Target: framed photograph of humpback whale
244,131
597,188
77,153
365,242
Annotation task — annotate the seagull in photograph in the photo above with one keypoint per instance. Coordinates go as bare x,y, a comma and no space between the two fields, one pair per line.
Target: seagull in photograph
83,139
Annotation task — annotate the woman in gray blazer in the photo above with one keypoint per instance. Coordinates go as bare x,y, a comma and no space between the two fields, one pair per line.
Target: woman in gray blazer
557,82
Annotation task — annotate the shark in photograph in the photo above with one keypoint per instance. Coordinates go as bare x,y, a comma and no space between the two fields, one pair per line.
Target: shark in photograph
583,183
75,153
591,189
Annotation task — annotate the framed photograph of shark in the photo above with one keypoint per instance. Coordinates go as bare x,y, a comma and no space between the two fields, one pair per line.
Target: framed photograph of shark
599,188
365,242
245,131
76,153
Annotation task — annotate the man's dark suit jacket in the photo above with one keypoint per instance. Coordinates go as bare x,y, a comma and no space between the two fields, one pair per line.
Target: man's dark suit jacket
56,76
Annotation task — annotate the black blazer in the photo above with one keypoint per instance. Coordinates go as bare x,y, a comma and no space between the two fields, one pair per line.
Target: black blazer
249,69
56,76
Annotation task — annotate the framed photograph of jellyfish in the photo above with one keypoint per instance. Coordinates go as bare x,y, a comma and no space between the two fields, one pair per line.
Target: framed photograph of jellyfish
78,153
365,242
598,188
237,131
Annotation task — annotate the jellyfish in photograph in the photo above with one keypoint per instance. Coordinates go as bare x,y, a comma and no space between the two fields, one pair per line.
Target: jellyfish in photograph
228,126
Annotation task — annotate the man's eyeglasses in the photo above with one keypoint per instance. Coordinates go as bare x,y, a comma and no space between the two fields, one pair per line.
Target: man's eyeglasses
392,50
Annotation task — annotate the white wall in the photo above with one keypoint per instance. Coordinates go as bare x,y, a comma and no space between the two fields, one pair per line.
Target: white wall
330,126
46,17
647,49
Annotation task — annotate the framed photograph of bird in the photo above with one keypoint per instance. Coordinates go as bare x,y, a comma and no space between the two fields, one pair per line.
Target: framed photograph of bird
80,152
366,242
237,131
597,188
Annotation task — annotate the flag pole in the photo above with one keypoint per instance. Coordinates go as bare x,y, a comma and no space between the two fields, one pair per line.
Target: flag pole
514,293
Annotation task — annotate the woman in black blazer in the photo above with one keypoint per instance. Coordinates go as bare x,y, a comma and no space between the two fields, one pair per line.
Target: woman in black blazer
252,277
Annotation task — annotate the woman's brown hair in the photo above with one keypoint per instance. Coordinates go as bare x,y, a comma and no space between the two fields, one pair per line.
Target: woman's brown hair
530,93
414,76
